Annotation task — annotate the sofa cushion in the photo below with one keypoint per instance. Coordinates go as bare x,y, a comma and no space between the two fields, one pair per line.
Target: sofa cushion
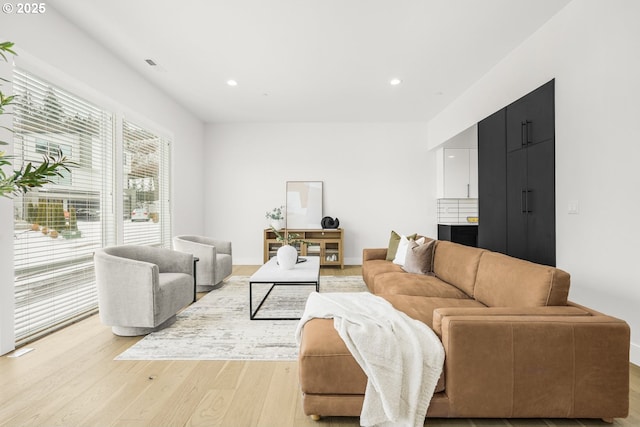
403,247
374,267
419,258
326,365
394,241
422,308
457,264
504,281
401,283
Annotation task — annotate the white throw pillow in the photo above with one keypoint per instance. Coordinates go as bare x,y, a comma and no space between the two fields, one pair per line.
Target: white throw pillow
403,246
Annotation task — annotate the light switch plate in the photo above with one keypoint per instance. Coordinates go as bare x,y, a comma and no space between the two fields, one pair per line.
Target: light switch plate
573,207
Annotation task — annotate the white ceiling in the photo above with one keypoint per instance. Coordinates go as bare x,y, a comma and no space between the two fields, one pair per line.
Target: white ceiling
311,60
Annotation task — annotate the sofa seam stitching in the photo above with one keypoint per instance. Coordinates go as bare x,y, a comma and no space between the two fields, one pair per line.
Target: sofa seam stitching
573,382
513,371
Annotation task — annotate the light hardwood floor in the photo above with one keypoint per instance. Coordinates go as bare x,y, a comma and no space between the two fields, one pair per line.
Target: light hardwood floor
71,379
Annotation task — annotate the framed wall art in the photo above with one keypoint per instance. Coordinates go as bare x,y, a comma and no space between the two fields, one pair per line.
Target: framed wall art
304,204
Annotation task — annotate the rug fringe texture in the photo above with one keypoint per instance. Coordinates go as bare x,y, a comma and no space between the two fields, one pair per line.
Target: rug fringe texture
217,326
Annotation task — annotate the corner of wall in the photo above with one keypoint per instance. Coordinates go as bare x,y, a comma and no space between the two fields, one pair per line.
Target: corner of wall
634,354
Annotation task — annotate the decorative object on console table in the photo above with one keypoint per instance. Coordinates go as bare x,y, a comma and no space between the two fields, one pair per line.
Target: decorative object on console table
328,222
276,217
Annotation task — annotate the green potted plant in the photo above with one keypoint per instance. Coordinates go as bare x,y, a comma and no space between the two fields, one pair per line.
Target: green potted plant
276,217
28,176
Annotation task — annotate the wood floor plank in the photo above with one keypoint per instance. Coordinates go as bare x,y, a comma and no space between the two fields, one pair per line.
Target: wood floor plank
46,383
143,408
182,402
488,422
72,394
211,410
249,398
282,392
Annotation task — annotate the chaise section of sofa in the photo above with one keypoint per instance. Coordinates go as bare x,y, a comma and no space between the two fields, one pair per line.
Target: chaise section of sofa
514,345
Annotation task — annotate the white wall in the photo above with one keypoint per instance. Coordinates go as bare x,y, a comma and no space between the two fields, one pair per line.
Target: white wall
49,44
591,48
377,177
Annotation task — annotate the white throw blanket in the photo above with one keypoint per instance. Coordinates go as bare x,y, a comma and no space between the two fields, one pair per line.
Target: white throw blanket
402,357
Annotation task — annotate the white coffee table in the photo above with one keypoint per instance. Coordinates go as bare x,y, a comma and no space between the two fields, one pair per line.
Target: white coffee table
304,273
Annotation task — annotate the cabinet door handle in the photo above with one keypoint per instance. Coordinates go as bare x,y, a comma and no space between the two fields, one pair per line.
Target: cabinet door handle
524,201
468,190
525,132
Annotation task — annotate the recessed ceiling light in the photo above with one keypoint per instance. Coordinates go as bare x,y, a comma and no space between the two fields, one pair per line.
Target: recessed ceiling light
395,82
232,83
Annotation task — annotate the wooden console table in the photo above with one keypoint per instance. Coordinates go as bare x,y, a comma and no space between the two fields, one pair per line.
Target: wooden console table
326,243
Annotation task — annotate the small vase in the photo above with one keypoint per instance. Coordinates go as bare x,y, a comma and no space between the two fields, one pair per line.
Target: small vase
287,257
278,224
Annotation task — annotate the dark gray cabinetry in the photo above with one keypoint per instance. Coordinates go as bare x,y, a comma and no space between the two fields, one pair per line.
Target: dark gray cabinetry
530,120
517,185
463,234
492,184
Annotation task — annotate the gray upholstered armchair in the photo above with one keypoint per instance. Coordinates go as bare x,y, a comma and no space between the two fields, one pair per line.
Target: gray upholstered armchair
141,288
215,259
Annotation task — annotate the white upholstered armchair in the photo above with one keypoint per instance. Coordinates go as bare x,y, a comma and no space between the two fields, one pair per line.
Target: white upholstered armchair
141,288
215,259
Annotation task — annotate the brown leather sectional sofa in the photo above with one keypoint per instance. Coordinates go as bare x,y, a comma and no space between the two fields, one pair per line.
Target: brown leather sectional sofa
515,347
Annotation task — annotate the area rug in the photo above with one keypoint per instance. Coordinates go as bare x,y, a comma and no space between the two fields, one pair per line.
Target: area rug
217,326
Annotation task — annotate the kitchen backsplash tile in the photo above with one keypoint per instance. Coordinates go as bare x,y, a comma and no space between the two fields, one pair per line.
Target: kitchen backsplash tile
456,211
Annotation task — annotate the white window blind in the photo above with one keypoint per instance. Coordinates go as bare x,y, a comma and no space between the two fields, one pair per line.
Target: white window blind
146,204
58,227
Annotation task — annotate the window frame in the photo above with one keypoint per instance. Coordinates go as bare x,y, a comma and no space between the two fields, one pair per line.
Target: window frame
112,230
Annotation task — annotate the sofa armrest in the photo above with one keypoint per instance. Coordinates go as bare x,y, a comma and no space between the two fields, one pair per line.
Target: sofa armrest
441,313
222,246
521,366
125,290
374,253
171,261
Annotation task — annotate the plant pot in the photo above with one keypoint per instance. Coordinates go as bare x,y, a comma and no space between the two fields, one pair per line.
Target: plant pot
71,234
287,257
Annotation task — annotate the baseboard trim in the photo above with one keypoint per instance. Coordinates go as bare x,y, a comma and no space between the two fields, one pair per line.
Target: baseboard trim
634,354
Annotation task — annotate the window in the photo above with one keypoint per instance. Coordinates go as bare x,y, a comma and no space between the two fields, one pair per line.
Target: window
145,195
57,228
49,149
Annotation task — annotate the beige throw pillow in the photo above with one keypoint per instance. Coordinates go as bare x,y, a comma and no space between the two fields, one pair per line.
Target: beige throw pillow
419,258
